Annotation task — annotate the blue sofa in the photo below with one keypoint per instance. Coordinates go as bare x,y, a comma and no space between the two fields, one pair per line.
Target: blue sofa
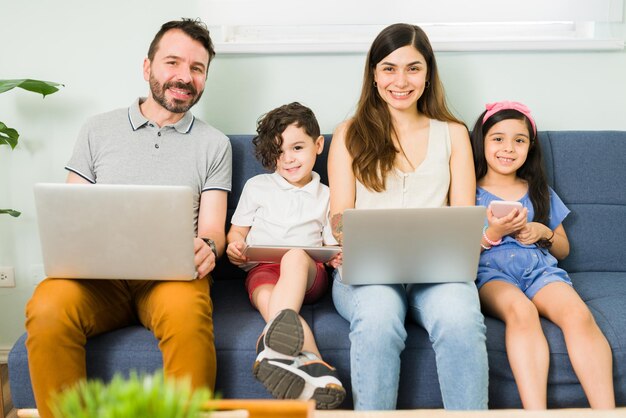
588,171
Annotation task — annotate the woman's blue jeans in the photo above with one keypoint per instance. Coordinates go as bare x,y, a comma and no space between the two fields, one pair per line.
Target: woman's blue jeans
450,313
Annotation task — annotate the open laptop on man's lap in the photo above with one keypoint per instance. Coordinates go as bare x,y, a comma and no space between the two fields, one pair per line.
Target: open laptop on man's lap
422,245
106,231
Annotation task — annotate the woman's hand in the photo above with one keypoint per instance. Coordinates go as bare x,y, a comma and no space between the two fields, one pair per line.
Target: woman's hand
234,251
336,261
533,232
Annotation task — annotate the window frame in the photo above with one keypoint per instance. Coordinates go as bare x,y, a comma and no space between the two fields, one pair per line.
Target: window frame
349,26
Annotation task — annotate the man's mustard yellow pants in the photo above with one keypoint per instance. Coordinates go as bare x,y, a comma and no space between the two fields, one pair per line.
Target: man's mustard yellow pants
63,313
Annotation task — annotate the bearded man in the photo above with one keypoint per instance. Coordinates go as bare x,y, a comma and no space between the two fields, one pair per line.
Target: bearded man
155,141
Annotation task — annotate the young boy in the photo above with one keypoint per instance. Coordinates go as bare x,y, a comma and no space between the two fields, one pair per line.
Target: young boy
287,207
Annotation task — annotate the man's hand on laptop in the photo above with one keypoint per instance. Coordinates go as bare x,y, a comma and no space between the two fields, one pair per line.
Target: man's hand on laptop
204,258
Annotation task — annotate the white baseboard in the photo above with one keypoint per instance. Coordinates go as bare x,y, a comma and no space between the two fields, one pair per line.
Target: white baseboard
4,354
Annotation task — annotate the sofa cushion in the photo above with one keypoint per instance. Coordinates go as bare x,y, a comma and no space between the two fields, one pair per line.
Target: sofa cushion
596,237
587,170
119,351
588,166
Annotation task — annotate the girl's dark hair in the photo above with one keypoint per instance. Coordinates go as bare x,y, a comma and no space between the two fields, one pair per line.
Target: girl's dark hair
271,126
532,170
194,28
369,137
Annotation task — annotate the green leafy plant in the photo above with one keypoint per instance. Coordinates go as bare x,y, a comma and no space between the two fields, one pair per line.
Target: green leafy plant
138,396
10,136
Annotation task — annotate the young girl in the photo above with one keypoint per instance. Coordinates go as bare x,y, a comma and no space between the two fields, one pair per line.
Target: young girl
518,277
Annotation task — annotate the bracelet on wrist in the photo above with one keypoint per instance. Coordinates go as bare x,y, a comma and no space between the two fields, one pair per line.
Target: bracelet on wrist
545,243
490,242
484,246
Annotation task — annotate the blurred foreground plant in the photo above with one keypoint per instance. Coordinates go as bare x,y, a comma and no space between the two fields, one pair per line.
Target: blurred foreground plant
139,396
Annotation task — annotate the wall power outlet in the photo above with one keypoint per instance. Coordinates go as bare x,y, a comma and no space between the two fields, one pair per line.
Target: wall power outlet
7,277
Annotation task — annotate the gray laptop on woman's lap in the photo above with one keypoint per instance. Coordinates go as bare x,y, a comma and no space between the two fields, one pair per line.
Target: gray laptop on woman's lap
422,245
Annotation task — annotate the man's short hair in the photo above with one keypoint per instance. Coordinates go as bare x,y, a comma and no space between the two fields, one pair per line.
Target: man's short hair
194,28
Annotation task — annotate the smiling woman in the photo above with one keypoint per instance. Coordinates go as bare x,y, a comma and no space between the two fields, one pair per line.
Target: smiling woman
404,149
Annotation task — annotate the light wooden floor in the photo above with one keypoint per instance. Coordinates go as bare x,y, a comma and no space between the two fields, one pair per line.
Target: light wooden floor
6,406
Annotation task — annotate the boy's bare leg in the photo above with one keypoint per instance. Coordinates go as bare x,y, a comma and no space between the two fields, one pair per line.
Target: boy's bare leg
297,371
297,274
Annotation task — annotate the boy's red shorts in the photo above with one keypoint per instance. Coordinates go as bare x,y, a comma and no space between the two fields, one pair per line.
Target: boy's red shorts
268,273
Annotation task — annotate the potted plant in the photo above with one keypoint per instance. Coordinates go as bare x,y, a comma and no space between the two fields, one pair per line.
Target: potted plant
138,396
9,136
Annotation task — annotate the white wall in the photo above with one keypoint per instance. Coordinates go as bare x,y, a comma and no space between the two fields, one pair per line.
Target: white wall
96,49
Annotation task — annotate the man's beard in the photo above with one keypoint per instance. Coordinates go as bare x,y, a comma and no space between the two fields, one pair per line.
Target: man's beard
175,106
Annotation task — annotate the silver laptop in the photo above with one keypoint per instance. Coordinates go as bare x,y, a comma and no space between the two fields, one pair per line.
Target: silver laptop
116,231
426,245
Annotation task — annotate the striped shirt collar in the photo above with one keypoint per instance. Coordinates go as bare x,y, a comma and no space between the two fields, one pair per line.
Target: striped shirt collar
138,120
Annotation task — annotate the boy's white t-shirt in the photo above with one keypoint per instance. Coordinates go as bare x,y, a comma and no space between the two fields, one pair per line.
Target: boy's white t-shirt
279,213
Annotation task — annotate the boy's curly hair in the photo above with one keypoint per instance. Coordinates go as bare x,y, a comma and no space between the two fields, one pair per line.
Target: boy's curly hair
271,126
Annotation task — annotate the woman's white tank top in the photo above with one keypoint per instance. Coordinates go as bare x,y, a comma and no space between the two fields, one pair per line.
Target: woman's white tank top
426,187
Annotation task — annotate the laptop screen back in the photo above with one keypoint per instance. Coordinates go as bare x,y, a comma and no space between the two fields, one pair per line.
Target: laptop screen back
109,231
422,245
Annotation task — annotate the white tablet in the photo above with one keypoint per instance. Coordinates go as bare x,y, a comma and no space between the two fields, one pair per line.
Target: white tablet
273,253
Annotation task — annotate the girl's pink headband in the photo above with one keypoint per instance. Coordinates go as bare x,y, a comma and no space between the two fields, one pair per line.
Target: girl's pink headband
493,108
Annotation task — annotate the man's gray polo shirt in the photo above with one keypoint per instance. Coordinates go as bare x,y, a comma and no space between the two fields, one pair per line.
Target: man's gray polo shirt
123,147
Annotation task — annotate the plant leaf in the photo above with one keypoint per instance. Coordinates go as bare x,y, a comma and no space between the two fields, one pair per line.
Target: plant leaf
11,212
8,136
36,86
138,396
6,85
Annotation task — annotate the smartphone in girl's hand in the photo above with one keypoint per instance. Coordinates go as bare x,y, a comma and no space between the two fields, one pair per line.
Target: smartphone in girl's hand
501,208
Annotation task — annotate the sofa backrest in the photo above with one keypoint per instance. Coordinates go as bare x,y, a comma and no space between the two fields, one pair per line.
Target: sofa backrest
587,169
